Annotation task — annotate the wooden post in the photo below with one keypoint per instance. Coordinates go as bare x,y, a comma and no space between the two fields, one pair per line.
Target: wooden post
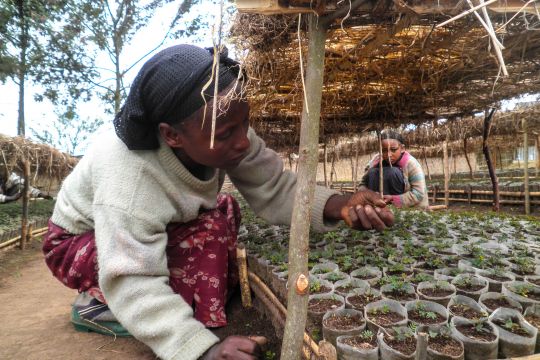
425,162
469,194
355,186
537,166
421,346
332,166
485,149
381,175
243,276
446,169
24,220
435,188
324,164
466,152
526,166
305,190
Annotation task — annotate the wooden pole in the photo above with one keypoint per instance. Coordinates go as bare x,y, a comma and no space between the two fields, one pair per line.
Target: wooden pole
421,346
425,161
24,220
332,166
466,152
537,166
446,170
305,190
243,276
356,166
324,163
485,149
381,175
526,166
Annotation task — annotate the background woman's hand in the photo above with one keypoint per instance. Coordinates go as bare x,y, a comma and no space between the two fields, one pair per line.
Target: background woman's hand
366,210
234,348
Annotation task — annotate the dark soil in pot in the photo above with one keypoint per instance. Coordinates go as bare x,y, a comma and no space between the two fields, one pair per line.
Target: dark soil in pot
496,277
445,345
469,287
343,322
513,327
418,317
534,281
322,305
361,343
534,320
494,304
321,289
400,296
471,331
385,318
360,300
437,292
466,312
405,345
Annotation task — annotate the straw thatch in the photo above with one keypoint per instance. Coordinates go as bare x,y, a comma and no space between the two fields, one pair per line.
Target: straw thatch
400,71
45,161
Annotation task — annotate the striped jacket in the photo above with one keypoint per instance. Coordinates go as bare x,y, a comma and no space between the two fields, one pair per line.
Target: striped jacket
415,194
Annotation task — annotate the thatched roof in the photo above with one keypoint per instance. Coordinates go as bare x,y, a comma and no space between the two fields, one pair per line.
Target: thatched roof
45,161
384,71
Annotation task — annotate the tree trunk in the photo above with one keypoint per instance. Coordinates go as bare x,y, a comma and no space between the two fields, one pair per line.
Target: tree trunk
446,170
466,152
324,164
381,175
526,167
332,166
485,149
425,161
25,198
305,189
537,166
21,75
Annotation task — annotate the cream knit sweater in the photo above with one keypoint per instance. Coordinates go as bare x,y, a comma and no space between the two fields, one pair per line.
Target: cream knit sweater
129,197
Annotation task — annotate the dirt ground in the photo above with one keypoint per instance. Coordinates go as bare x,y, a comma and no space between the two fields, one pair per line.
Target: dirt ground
35,318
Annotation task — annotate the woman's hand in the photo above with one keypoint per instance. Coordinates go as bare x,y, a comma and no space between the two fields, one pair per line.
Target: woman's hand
234,348
364,210
388,199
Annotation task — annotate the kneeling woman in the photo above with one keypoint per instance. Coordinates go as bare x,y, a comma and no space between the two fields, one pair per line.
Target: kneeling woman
139,228
403,178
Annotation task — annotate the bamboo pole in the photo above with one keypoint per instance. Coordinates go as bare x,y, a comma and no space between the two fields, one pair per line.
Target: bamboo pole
465,151
537,166
305,190
526,166
24,220
425,161
243,276
256,281
324,164
446,169
485,149
381,175
421,346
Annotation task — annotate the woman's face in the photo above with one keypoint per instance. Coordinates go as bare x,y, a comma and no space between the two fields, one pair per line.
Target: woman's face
392,150
230,140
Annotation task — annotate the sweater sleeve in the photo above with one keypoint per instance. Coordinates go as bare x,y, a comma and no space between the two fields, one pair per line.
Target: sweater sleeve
270,191
417,181
133,276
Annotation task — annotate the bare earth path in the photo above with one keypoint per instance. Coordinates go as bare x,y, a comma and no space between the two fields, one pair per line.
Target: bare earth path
34,321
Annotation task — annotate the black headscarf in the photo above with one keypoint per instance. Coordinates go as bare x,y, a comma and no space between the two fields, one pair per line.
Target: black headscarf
168,89
394,135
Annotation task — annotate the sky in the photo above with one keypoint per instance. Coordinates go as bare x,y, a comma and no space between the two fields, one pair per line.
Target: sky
41,114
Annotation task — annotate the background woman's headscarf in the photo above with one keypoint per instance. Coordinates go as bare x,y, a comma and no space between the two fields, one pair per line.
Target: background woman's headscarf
168,89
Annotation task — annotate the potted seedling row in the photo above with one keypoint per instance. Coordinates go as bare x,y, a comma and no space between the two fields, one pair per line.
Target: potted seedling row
359,298
524,293
470,285
426,315
399,290
438,291
363,346
516,336
320,304
480,338
532,316
367,273
465,307
385,313
397,343
491,301
442,345
342,322
496,277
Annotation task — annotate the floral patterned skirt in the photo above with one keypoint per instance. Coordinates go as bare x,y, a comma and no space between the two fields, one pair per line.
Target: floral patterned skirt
201,259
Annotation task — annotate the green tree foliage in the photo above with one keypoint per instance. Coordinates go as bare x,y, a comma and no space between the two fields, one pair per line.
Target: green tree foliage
40,43
69,132
112,25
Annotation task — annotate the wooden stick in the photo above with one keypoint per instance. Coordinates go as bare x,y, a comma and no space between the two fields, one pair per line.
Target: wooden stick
381,175
24,220
485,149
421,346
446,172
327,351
255,280
438,207
243,276
526,167
465,13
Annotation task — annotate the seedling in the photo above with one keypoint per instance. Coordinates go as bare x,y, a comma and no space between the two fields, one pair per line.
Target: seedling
403,333
367,335
424,313
523,290
510,325
315,286
383,310
482,327
334,277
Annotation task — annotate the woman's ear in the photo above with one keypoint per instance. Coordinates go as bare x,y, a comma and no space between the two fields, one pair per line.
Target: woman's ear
170,135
